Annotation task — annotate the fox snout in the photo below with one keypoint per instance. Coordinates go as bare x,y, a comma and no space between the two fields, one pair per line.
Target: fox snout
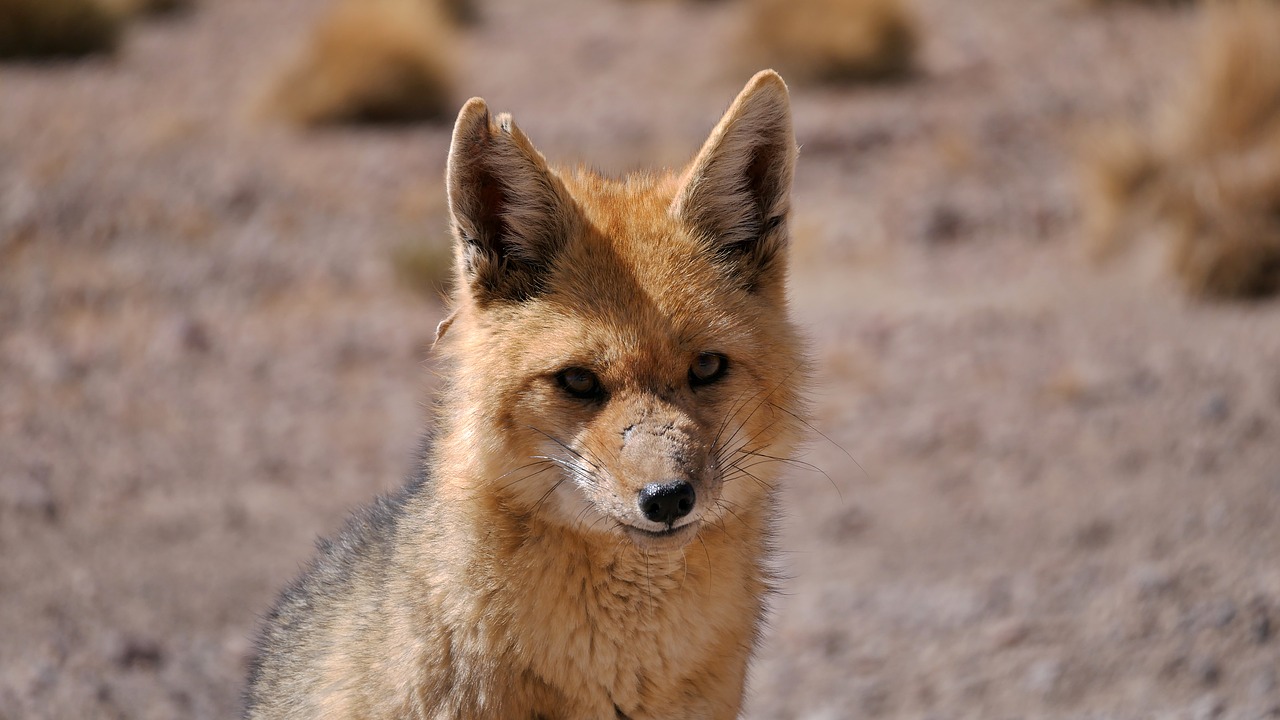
664,479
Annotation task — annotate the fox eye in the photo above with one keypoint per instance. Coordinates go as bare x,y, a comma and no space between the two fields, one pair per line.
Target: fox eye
707,368
580,383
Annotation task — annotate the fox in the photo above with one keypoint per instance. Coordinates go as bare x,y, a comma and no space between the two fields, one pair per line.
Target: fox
590,531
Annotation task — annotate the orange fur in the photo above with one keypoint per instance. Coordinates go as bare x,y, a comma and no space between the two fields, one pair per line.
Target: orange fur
527,577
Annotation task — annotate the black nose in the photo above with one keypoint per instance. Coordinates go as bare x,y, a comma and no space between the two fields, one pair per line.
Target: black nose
667,502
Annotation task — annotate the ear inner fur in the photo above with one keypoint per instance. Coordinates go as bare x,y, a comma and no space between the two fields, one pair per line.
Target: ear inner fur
510,212
737,191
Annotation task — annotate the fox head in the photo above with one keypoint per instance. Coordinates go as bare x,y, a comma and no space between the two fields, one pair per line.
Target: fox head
623,363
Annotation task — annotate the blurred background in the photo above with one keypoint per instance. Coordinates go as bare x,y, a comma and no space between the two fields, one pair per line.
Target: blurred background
1034,248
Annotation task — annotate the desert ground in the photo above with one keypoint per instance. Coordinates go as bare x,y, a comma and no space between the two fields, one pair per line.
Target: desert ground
1051,488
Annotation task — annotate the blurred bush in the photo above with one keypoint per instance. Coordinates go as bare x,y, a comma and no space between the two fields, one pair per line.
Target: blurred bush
129,8
57,28
462,12
832,40
1206,172
1100,3
371,61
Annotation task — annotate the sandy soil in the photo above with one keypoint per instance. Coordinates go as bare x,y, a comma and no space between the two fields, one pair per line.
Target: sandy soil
1067,478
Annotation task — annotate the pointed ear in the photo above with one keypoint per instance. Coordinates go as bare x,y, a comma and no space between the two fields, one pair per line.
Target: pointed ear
510,212
737,192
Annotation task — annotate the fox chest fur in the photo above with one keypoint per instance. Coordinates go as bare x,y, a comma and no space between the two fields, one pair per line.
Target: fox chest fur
594,632
588,535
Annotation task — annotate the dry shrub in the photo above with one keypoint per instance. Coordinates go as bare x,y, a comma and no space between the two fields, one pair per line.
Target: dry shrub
1207,173
56,28
370,61
462,12
424,265
1104,3
131,8
833,40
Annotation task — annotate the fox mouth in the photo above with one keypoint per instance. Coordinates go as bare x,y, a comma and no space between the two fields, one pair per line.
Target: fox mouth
672,538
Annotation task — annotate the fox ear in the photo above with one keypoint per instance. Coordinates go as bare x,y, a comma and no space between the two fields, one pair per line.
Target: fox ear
737,191
510,213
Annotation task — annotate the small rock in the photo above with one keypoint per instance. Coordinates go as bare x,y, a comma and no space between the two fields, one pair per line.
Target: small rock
1043,677
1095,534
943,225
1144,382
922,435
826,713
998,597
848,525
874,698
140,654
1262,629
1208,707
1263,683
1131,461
1255,428
1217,517
1010,634
182,699
1216,409
1173,666
235,515
29,494
195,336
1152,580
1206,670
1223,613
1046,220
243,199
1207,460
834,644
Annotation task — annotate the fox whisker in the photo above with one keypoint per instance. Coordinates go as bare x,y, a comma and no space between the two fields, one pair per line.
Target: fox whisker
547,494
809,426
545,467
583,474
707,553
763,401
